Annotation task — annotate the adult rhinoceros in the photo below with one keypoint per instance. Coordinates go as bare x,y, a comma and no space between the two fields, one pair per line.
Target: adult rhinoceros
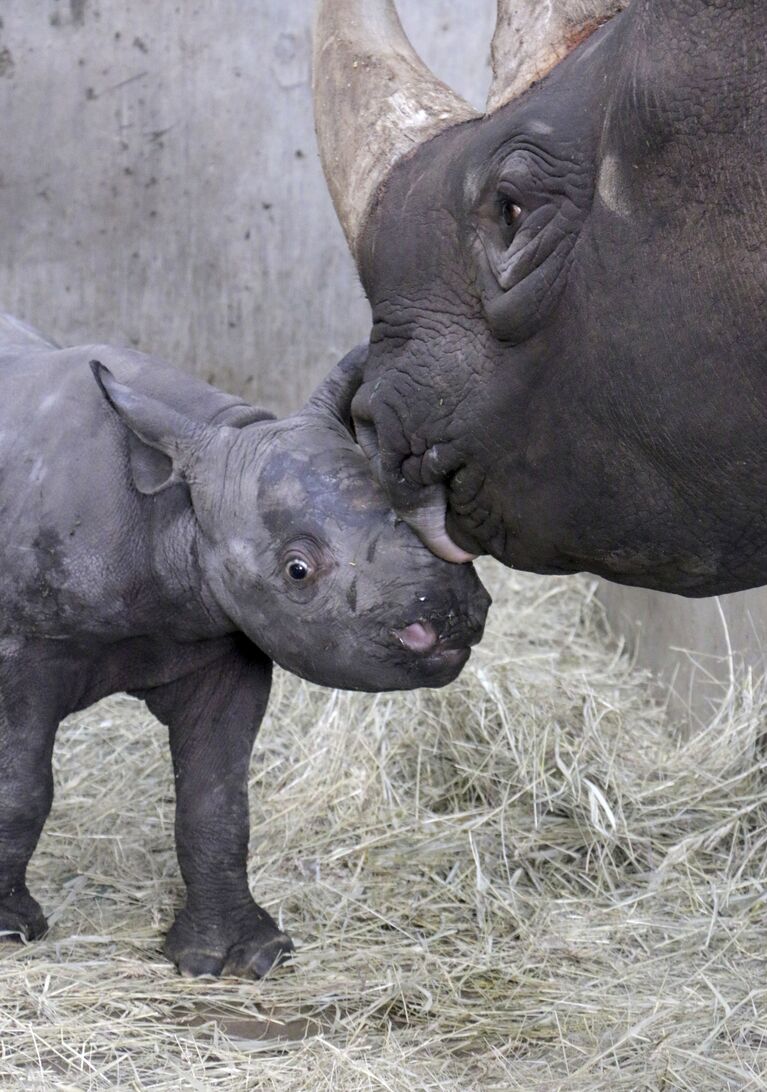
569,347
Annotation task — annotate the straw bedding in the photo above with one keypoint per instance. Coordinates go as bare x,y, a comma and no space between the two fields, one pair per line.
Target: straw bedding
527,881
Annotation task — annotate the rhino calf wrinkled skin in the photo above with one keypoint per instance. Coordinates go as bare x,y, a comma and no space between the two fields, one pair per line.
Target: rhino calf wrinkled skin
163,538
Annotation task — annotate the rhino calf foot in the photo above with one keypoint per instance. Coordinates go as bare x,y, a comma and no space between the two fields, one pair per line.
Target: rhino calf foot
246,946
21,917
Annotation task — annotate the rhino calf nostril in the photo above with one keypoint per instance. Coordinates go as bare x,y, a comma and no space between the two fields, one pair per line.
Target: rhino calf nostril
418,636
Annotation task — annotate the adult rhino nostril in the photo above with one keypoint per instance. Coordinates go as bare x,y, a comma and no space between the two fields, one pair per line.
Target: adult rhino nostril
367,438
418,636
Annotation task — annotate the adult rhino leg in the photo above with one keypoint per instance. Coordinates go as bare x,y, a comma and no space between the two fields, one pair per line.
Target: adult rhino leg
30,710
213,716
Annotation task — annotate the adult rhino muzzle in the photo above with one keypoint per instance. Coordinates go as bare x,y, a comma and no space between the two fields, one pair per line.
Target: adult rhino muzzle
416,487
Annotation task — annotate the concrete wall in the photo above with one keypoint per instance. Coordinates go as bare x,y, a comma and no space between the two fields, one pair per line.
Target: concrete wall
694,646
160,187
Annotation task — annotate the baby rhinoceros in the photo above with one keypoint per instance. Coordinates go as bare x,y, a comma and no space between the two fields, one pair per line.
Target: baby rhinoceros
161,537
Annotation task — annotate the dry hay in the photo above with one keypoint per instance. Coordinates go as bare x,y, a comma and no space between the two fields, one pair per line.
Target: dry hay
525,881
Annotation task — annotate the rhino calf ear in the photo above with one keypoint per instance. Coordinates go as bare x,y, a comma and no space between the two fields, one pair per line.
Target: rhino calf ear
160,440
335,393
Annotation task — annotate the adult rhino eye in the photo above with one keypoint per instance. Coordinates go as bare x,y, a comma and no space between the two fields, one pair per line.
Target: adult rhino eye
297,569
510,212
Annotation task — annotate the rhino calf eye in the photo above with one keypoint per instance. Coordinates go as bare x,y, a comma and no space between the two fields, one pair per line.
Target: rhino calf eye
301,562
297,570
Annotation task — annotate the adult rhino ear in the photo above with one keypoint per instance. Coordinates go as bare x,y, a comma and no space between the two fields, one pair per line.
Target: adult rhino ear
161,440
335,393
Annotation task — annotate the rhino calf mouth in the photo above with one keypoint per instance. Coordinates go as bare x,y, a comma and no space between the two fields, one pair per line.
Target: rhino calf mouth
434,649
418,636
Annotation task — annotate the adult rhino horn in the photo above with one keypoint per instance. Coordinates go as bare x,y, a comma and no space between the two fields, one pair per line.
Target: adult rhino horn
531,38
374,101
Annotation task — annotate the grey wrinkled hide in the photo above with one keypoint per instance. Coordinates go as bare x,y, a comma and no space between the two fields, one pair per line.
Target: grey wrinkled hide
165,538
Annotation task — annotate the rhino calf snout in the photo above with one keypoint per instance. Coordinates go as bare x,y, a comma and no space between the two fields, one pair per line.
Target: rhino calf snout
451,632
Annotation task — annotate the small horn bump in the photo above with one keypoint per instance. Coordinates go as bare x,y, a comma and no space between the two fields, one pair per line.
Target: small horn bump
333,397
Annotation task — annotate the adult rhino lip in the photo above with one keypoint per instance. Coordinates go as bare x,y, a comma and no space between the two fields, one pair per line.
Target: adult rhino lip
428,522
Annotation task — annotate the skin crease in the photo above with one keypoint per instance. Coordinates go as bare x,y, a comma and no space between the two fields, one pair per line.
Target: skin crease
570,311
163,538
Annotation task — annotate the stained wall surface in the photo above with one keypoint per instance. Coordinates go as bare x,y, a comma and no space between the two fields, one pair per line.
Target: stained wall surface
160,185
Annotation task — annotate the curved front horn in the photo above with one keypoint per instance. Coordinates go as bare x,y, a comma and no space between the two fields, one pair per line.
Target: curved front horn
531,37
374,101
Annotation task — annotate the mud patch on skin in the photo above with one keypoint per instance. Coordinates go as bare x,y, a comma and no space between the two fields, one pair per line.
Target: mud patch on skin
7,63
351,596
50,572
579,36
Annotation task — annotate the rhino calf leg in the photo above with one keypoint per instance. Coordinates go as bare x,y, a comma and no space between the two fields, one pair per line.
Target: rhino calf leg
28,723
213,717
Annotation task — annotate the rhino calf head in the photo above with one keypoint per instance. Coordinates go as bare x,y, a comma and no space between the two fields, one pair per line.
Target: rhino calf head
298,547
